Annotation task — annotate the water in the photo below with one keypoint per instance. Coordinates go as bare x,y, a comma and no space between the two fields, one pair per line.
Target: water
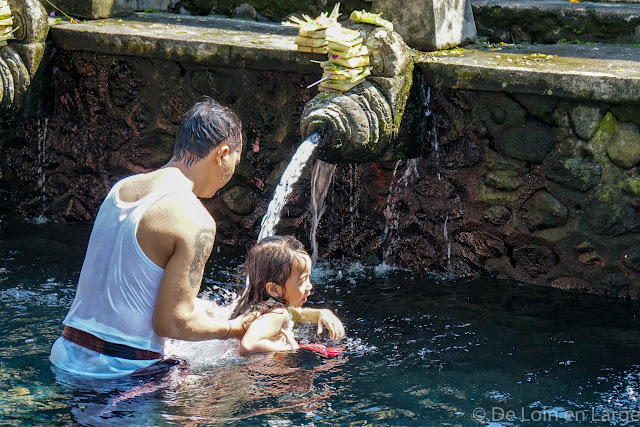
320,182
421,350
428,126
447,239
285,186
42,144
391,213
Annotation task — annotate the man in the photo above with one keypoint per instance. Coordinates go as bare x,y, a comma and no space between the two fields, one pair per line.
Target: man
146,257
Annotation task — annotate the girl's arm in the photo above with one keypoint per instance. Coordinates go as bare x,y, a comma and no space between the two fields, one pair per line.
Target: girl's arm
323,317
261,334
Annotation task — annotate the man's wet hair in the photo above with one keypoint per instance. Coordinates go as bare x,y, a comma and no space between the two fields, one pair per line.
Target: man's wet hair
204,127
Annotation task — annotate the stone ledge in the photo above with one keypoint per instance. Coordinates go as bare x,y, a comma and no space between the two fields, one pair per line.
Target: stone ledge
608,73
551,21
599,72
201,40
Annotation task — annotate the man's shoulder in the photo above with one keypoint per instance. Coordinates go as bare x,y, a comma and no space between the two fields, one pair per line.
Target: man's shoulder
186,207
180,214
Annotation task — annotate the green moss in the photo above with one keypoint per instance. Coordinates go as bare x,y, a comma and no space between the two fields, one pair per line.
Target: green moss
631,186
502,180
452,51
401,103
492,197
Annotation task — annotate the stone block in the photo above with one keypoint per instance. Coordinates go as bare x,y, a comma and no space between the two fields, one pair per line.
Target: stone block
586,120
97,9
624,147
29,20
575,174
155,5
530,142
429,25
31,54
543,211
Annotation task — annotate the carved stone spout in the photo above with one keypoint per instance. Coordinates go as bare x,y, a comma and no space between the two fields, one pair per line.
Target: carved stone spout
19,60
360,125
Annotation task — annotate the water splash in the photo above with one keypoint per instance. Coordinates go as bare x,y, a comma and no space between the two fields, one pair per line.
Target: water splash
284,188
320,181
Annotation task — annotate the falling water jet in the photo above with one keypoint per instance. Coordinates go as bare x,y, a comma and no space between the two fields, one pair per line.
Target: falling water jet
428,125
353,202
42,140
391,215
448,240
284,188
320,181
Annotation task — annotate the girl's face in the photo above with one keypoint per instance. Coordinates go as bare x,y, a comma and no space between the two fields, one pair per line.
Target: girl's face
298,287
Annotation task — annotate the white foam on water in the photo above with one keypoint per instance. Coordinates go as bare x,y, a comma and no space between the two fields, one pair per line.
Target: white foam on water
210,353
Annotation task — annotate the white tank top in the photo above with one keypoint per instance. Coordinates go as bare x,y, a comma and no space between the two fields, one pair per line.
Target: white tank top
116,291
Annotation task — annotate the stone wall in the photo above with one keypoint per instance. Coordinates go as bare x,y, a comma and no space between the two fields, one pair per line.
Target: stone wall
535,188
106,117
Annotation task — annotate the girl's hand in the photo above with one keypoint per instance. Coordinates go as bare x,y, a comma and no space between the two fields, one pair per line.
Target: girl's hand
326,319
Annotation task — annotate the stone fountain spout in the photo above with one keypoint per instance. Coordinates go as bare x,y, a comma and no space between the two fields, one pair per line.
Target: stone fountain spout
20,59
360,125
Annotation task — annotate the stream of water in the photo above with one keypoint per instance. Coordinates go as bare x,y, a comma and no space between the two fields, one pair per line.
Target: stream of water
284,188
320,182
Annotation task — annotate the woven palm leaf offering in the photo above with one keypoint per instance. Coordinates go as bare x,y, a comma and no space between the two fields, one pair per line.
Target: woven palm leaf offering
348,61
370,18
341,78
6,23
312,32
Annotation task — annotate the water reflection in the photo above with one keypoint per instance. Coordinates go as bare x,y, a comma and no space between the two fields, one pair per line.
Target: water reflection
276,384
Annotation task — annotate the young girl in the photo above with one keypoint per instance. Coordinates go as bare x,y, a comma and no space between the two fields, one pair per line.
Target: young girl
277,269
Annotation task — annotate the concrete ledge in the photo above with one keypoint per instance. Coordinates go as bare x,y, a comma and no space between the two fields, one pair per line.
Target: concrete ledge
201,40
606,73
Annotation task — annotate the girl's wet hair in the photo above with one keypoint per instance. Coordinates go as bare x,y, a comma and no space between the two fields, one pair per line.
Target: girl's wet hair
272,259
204,127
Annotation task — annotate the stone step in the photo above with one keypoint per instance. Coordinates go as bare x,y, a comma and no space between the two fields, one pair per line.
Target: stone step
557,21
597,72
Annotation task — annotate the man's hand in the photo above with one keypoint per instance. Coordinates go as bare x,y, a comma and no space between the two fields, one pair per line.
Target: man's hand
326,319
240,324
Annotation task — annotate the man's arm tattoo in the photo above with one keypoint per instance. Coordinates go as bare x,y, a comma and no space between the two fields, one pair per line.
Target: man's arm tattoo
203,246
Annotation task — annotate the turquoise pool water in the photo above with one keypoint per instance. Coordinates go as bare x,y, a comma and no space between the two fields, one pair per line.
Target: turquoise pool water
421,350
